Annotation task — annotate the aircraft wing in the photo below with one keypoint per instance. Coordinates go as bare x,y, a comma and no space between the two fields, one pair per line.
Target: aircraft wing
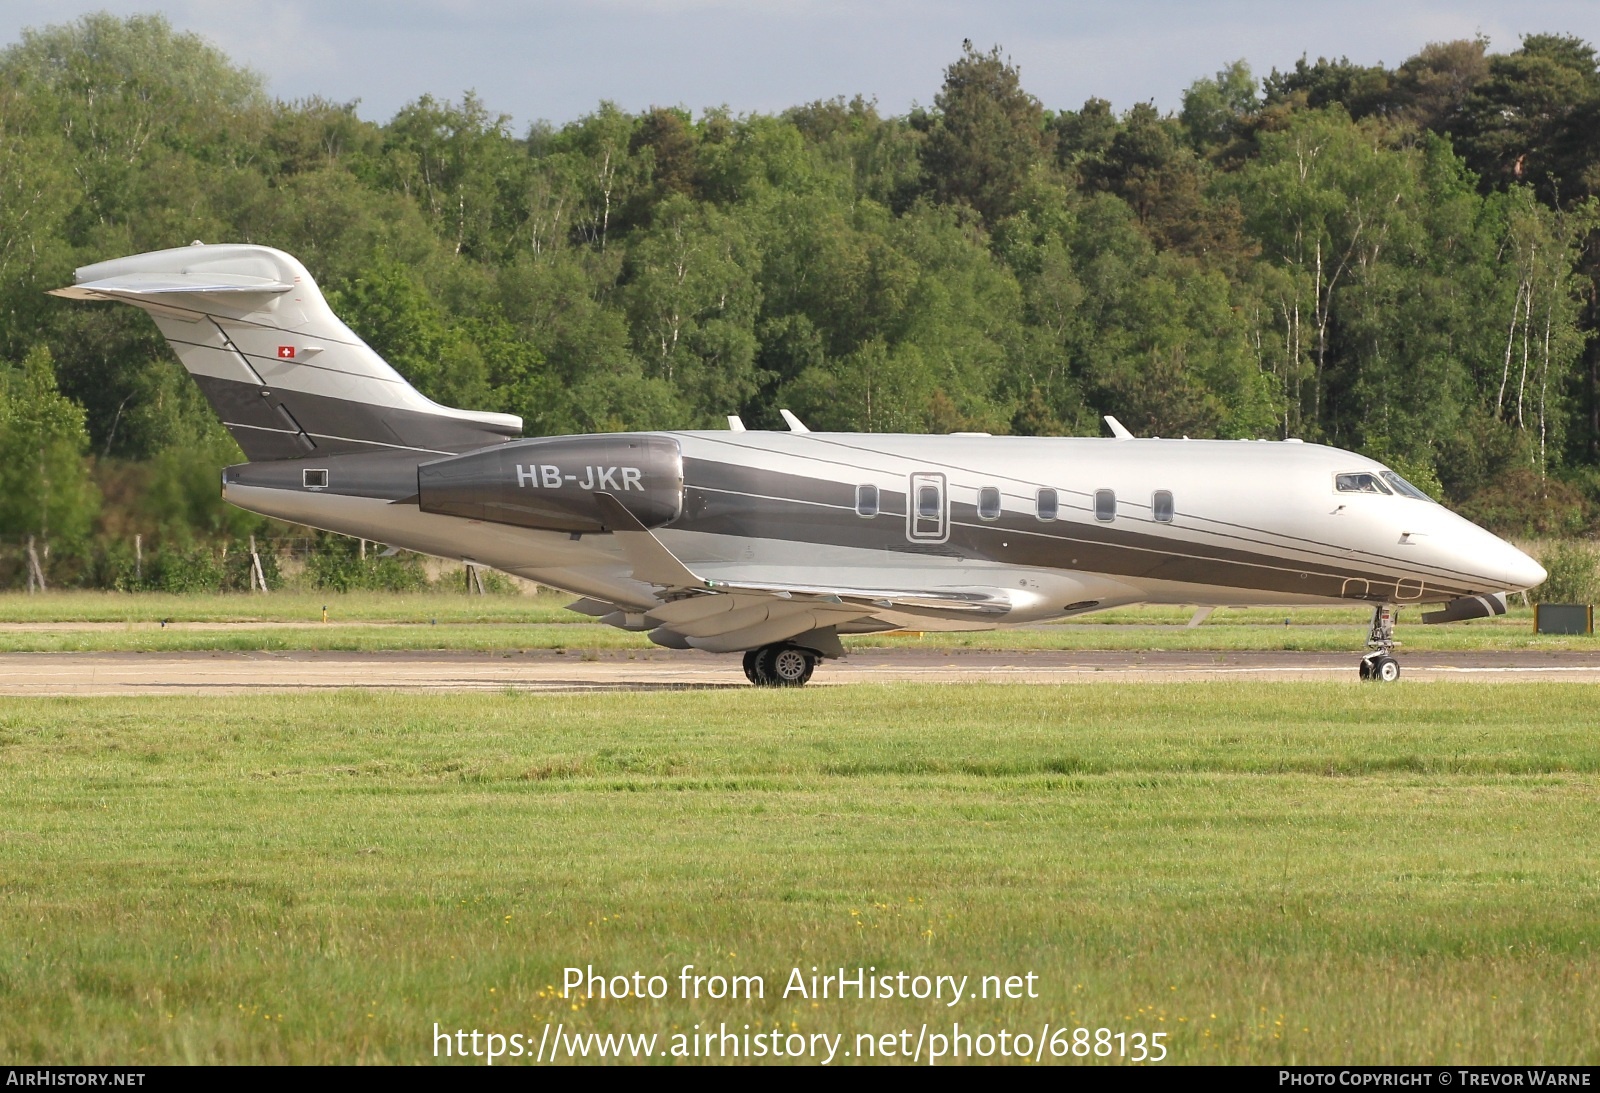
974,601
724,615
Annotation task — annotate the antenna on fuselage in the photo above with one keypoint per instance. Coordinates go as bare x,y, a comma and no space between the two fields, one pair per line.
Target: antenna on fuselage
736,423
795,424
1118,430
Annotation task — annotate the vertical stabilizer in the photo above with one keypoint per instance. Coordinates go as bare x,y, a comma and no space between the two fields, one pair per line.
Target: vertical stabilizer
285,375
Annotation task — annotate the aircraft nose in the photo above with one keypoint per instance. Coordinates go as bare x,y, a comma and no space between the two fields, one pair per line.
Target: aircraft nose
1524,573
1489,559
1508,568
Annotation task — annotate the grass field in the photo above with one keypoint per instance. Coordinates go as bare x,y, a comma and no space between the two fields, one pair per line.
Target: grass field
294,607
1266,872
358,622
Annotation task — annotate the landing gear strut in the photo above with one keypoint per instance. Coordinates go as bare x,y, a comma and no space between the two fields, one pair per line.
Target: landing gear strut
779,665
1379,666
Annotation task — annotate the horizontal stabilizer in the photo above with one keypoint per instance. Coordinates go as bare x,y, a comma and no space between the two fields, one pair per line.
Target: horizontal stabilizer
136,285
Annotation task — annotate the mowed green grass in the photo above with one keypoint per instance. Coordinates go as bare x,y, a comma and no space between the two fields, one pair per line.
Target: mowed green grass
1265,872
286,607
374,622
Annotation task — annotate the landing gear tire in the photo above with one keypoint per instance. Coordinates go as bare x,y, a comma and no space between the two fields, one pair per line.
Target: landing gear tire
789,666
1380,669
1378,666
779,666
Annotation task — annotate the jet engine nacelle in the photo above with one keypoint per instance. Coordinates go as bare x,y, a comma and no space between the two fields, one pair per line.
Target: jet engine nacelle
550,483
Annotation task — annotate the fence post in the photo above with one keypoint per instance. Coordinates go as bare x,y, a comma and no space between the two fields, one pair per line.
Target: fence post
35,570
257,578
138,557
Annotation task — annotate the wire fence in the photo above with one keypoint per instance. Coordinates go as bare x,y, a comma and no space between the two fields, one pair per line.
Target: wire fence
333,563
256,563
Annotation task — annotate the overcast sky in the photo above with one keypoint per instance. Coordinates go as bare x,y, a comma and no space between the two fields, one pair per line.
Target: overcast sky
556,59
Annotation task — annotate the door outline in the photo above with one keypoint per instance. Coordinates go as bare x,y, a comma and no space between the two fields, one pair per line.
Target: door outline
1402,589
927,529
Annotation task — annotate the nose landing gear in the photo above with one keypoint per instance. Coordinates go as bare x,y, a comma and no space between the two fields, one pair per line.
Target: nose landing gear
779,665
1379,666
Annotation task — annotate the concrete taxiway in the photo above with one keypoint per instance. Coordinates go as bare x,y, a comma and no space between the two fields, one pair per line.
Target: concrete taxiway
204,673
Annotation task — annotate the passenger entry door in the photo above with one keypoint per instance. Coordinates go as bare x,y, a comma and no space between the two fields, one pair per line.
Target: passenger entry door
927,509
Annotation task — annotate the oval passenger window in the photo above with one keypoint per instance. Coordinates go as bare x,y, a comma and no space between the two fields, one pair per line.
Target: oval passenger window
1047,505
1105,504
989,503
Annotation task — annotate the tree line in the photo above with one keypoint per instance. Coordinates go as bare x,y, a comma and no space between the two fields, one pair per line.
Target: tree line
1401,261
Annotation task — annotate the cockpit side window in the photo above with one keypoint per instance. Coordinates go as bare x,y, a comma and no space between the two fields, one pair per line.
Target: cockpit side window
1360,482
1404,488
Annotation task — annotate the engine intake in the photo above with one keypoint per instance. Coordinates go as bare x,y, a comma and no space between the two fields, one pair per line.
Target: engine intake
550,482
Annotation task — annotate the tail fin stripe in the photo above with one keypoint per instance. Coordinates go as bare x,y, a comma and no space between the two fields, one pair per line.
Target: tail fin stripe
300,432
244,360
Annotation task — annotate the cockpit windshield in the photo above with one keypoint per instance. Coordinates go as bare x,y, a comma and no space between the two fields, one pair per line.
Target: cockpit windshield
1385,482
1404,488
1360,482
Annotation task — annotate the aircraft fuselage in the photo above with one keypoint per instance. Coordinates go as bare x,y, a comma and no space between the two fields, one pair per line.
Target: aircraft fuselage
1057,526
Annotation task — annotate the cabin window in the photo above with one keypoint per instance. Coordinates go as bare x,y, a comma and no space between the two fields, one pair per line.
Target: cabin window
928,502
1161,506
1404,488
1360,482
1105,504
1046,505
866,500
314,480
989,503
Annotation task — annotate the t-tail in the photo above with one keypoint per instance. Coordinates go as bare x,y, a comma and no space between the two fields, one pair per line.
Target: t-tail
286,376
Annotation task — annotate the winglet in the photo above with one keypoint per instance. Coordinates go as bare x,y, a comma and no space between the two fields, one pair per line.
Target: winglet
795,424
1118,430
652,561
736,423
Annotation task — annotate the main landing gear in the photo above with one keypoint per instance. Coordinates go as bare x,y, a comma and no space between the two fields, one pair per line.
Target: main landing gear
779,665
1379,666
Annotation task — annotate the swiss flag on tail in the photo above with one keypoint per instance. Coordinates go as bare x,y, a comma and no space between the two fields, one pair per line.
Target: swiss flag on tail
286,352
